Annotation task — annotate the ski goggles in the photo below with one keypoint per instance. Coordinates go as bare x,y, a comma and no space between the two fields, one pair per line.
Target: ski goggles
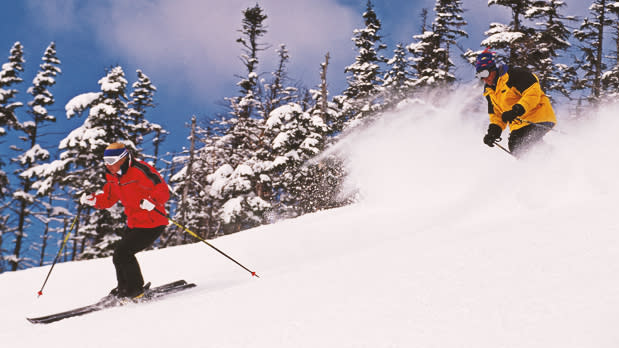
112,156
482,74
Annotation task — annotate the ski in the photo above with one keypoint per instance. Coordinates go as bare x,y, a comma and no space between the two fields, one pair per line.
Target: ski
110,301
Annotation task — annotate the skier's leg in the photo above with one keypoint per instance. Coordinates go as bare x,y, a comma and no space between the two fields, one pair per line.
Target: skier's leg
127,266
521,140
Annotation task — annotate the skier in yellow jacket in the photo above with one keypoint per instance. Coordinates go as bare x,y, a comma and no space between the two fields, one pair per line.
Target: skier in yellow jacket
515,97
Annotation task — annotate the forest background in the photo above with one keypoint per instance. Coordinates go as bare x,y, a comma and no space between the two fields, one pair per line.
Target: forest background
264,151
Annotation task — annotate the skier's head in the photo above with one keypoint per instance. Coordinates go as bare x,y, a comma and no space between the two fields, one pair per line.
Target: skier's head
485,64
114,153
117,158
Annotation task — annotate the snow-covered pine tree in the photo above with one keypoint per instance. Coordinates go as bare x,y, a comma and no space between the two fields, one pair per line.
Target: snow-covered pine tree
551,38
610,79
320,178
159,136
397,81
188,207
245,105
591,37
53,218
9,76
141,99
514,38
447,27
32,153
276,91
80,161
422,50
322,107
244,205
297,137
360,99
192,182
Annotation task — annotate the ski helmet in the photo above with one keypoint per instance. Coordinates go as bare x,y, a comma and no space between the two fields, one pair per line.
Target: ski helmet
485,61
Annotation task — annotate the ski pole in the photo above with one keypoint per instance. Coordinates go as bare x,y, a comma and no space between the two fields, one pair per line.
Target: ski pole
64,242
195,235
503,148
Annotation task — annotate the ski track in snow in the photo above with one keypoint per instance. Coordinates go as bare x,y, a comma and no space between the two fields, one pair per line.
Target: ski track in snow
453,244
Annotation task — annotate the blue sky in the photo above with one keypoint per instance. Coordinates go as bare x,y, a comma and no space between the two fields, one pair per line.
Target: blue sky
188,48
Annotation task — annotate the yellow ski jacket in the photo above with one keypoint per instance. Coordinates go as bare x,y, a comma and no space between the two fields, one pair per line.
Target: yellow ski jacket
518,86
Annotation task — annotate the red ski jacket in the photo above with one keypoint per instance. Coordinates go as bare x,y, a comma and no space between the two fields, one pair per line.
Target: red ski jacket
139,181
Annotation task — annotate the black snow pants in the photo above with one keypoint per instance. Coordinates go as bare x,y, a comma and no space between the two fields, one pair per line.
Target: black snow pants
521,140
128,273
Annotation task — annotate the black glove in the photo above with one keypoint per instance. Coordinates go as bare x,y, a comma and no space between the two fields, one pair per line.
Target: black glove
494,133
509,116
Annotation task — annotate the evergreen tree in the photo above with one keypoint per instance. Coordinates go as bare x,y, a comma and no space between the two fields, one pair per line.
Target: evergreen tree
447,29
141,98
276,92
79,167
244,204
188,208
52,217
514,38
422,49
431,49
9,76
591,37
397,80
322,107
35,154
252,29
364,81
610,79
550,40
159,137
193,182
297,137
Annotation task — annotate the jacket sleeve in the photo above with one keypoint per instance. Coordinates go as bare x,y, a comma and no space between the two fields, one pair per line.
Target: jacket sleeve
108,196
494,118
160,194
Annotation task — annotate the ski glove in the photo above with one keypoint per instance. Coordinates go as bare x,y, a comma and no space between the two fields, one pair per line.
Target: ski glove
509,116
88,199
494,133
146,205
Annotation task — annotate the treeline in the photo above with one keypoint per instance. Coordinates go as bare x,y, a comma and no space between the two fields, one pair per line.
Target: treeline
266,157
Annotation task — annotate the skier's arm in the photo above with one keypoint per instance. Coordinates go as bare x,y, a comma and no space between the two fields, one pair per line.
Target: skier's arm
160,194
108,196
494,118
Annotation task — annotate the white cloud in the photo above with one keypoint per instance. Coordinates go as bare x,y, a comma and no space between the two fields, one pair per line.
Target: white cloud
195,40
56,15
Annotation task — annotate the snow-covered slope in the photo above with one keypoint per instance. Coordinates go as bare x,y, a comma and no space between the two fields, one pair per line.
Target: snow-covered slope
453,244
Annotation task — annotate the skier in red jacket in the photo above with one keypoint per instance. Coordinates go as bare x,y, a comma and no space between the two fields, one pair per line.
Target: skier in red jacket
141,190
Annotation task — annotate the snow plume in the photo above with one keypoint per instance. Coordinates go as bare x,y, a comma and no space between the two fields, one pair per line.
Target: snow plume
427,159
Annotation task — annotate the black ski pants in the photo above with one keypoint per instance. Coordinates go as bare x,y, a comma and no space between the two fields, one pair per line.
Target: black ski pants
521,140
128,273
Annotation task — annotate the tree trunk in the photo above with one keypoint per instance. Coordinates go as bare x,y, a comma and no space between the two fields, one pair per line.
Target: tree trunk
324,106
597,82
189,175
